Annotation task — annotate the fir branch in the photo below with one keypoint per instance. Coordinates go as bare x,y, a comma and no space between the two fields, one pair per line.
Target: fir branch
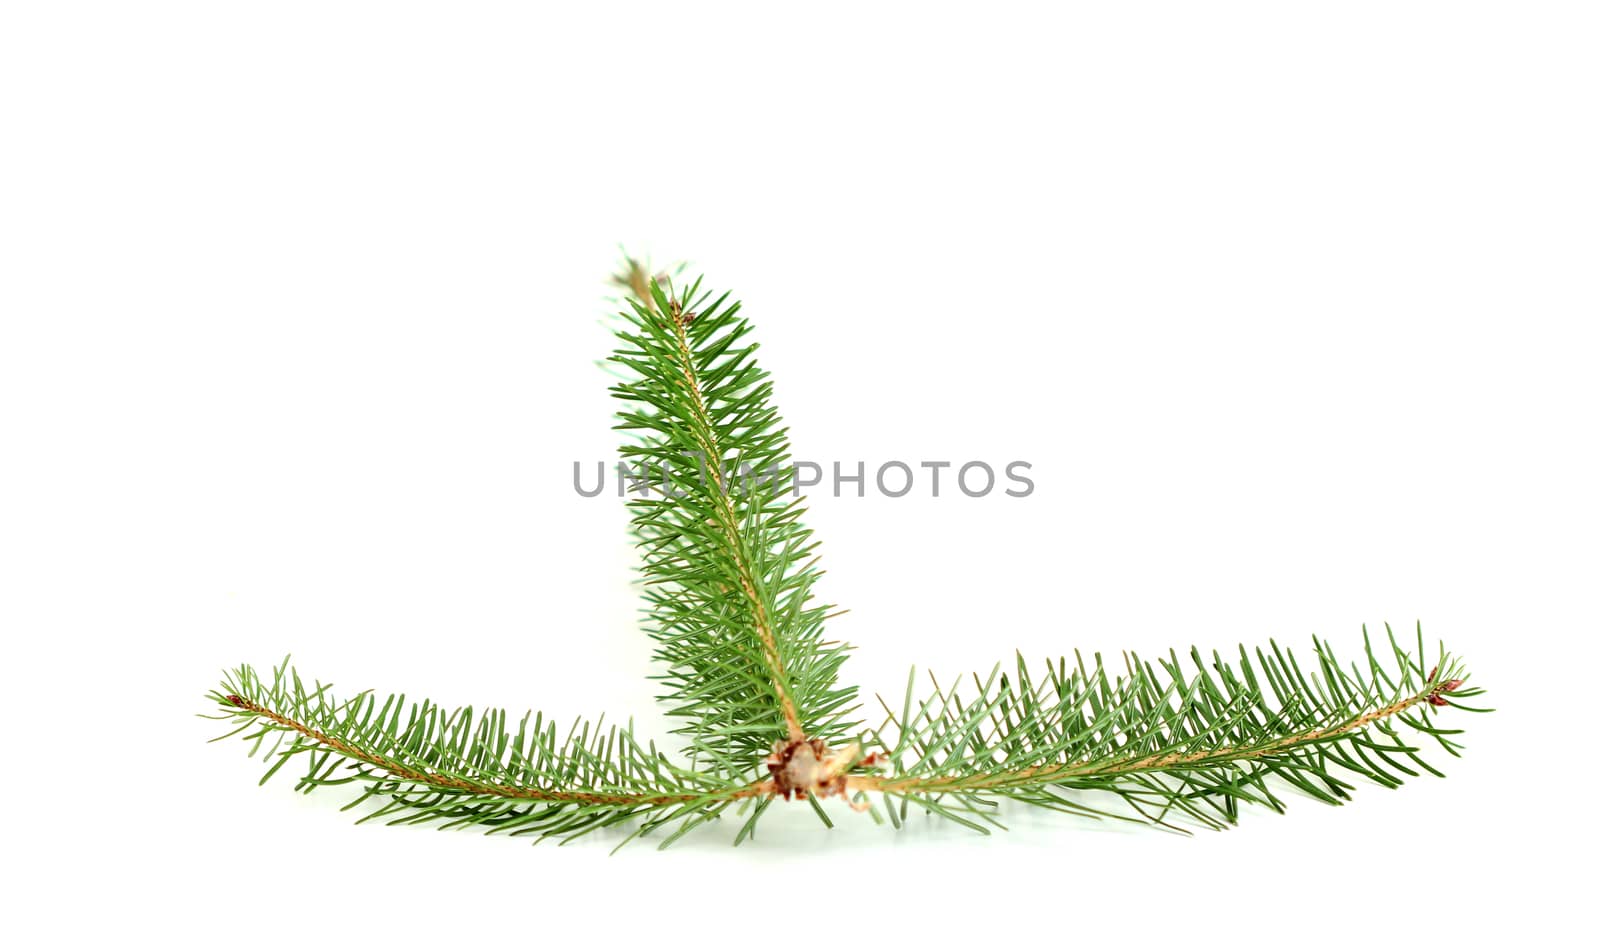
729,572
426,764
729,568
1167,740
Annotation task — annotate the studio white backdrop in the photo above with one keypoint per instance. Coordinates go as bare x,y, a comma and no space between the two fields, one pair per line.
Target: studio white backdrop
1289,307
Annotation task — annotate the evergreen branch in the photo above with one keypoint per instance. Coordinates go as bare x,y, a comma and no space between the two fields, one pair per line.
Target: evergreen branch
728,567
703,432
1163,739
729,571
429,764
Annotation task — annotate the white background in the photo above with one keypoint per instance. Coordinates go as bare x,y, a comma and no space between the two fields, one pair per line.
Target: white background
1289,306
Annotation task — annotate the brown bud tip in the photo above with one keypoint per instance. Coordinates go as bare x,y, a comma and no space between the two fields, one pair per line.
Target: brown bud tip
236,701
1437,701
1434,673
1451,685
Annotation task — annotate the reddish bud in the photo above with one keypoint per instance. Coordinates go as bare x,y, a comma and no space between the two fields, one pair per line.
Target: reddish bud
1436,699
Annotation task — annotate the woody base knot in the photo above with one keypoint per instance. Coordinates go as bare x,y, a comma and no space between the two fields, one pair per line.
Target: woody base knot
805,767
